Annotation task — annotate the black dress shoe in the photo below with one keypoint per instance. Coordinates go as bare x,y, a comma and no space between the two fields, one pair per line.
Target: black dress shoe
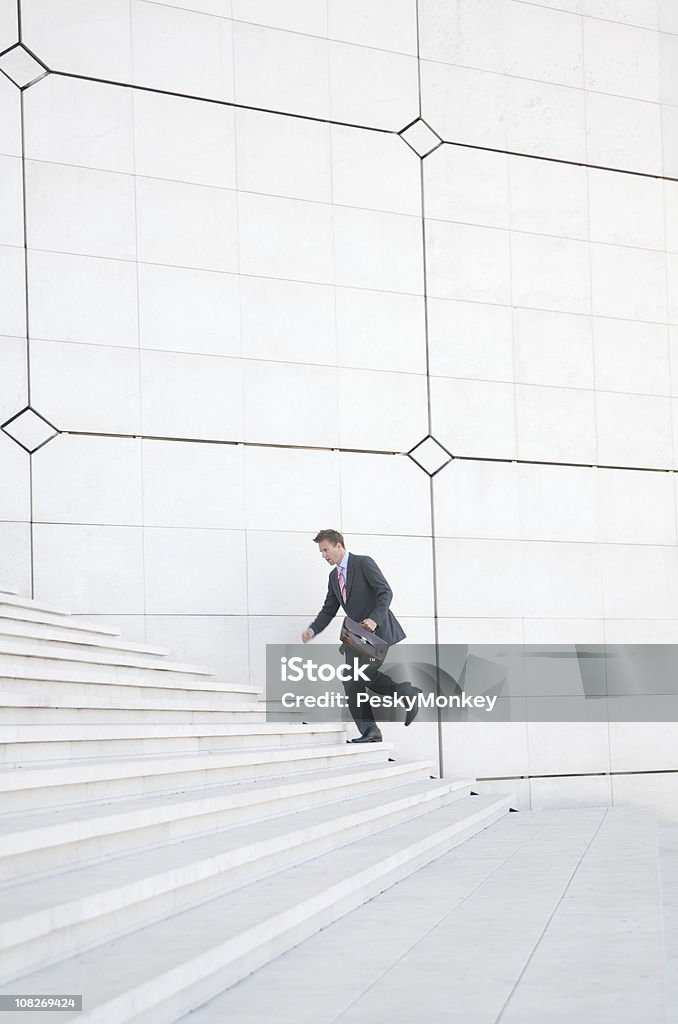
412,714
371,735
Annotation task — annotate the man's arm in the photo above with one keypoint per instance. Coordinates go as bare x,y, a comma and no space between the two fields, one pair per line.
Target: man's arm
326,613
382,592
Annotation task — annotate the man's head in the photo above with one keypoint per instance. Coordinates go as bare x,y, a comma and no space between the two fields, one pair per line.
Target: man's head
331,545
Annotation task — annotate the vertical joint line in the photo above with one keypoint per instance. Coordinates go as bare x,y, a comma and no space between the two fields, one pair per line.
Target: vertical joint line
416,11
31,528
429,419
25,231
436,635
31,537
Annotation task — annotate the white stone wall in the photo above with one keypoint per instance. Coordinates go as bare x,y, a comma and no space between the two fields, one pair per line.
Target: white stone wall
247,297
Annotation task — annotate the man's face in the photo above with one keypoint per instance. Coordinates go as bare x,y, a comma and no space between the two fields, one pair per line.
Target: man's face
332,553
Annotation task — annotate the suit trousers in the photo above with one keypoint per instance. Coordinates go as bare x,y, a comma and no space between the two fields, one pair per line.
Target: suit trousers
379,682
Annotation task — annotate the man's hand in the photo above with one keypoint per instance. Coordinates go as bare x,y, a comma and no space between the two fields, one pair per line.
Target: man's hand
307,635
369,624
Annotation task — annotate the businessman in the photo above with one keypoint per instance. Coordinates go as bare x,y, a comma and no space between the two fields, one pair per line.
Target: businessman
358,586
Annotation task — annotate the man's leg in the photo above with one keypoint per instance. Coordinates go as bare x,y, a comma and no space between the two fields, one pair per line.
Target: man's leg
362,715
382,683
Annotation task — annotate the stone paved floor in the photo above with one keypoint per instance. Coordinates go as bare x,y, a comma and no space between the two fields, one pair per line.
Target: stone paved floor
668,852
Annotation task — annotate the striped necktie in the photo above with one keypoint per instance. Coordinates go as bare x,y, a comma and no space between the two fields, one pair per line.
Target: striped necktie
342,585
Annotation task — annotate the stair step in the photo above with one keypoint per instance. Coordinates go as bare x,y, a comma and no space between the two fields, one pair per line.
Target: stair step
46,840
57,782
192,739
8,590
146,715
61,621
102,732
22,743
160,700
15,601
41,921
24,755
114,681
27,655
18,683
176,964
53,638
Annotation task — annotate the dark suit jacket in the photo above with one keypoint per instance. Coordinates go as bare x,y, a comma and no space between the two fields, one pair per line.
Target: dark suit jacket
368,596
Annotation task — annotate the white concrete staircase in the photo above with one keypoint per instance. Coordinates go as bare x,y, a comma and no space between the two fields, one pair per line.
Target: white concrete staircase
159,840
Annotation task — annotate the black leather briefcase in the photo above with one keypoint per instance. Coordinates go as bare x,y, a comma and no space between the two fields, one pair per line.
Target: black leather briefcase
360,640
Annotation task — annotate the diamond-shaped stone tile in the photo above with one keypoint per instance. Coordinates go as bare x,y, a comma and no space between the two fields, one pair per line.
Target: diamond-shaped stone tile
421,138
21,67
430,455
29,429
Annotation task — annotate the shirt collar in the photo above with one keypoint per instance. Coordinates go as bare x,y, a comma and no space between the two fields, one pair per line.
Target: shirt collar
343,564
